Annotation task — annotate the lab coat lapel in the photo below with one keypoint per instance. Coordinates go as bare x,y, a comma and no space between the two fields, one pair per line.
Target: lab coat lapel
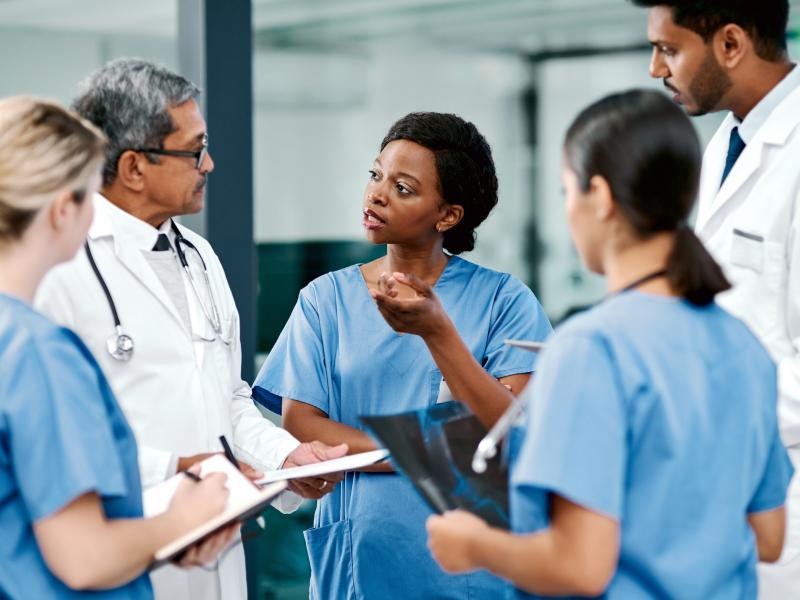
130,257
133,259
748,163
713,165
775,132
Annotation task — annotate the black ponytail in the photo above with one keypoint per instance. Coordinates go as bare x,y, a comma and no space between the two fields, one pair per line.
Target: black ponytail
691,270
645,147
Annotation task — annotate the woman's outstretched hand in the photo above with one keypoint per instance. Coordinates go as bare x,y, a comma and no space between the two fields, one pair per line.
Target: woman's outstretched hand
409,305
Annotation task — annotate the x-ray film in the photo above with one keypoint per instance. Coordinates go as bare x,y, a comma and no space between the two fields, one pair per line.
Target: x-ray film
433,447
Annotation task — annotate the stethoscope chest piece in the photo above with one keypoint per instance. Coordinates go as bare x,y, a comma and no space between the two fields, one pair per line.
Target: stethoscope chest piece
120,346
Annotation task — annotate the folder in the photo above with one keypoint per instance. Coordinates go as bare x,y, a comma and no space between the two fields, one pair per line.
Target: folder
336,465
246,500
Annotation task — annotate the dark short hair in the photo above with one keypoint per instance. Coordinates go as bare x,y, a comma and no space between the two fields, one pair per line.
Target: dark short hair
765,21
464,165
645,147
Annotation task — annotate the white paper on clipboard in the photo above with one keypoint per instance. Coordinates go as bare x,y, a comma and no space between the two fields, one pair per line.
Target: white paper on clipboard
337,465
529,345
245,500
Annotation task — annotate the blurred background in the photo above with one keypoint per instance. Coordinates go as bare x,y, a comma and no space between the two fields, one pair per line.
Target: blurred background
324,80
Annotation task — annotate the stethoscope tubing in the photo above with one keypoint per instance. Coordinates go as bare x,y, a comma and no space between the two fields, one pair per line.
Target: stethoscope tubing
99,276
212,315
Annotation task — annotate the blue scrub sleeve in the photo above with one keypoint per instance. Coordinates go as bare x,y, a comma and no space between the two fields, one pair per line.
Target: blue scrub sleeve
295,368
62,444
516,314
575,444
778,470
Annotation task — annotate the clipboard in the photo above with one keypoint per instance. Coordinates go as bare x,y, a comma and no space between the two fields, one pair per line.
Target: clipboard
336,465
528,345
246,500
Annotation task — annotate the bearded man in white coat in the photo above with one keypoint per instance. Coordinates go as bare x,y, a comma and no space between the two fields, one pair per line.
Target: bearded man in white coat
731,55
181,387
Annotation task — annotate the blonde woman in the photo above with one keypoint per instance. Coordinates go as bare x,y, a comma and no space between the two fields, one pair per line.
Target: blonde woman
70,497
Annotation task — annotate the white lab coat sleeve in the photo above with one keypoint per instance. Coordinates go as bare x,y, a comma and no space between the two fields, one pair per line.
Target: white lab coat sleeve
54,302
789,366
257,441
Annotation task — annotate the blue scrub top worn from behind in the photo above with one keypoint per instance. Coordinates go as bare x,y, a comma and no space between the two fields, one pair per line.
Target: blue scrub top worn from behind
337,353
671,429
62,435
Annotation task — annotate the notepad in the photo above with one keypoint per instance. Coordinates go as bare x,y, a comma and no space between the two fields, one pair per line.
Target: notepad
246,500
336,465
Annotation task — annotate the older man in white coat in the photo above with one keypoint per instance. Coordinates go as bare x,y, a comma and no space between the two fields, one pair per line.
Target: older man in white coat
180,384
731,55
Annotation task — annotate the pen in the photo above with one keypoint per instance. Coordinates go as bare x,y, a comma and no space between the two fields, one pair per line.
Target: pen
228,453
192,476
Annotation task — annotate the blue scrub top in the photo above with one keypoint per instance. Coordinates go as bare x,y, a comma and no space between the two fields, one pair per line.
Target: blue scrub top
62,435
662,416
337,353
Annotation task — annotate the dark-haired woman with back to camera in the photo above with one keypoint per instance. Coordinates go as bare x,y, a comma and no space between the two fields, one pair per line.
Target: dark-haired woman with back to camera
430,187
651,465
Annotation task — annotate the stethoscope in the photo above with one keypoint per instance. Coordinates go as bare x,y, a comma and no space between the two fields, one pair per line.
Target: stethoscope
120,345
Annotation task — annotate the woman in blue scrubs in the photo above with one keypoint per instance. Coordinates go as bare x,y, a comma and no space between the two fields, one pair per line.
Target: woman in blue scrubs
71,521
651,465
430,187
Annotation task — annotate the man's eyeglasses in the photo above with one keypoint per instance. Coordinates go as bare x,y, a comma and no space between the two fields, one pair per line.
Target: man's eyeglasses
198,155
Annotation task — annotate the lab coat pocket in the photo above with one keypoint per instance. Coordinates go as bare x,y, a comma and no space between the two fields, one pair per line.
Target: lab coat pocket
747,250
776,271
330,554
221,352
224,342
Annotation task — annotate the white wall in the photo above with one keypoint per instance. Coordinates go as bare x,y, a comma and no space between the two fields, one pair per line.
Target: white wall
320,115
566,87
320,118
52,63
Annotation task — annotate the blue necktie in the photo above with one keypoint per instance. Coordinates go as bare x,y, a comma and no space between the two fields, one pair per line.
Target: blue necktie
735,148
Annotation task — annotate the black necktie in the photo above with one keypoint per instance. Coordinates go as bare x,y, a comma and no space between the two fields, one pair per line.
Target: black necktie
735,148
162,243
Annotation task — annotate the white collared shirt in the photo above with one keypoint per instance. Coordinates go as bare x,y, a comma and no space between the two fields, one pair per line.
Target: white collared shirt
761,112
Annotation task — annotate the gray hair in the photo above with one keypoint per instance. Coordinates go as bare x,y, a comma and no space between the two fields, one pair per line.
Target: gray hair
128,100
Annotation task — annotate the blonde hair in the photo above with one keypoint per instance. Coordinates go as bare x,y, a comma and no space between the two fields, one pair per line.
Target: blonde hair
45,150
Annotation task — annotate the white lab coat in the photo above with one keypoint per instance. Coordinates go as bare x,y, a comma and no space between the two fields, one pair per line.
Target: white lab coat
179,395
751,225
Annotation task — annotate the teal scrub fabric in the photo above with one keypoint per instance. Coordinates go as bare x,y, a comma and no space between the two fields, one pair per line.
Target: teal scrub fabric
338,354
662,416
62,435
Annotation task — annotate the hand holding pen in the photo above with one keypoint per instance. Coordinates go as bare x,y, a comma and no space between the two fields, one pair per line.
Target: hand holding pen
248,471
185,462
196,500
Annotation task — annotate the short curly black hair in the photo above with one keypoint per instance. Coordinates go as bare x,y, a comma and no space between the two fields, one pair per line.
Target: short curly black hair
464,165
765,21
